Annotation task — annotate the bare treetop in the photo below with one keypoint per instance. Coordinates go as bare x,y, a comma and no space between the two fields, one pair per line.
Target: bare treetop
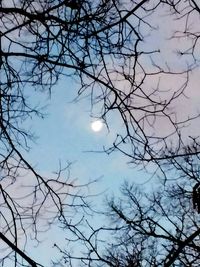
137,60
126,56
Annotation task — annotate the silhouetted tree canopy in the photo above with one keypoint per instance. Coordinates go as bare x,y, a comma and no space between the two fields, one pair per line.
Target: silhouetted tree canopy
116,49
144,227
137,62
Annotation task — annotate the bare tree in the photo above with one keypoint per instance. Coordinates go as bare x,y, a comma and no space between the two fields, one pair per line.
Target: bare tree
161,231
110,47
26,196
145,227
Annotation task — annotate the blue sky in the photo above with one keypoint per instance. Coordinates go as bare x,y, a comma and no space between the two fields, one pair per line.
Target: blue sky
65,133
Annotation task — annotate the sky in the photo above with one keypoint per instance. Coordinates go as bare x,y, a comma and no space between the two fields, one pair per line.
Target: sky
65,134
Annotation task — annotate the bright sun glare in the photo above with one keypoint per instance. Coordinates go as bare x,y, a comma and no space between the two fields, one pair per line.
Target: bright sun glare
97,125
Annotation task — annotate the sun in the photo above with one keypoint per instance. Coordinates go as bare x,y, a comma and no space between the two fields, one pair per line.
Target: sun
97,125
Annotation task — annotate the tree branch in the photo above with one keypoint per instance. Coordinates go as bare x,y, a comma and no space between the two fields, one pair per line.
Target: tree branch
18,251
